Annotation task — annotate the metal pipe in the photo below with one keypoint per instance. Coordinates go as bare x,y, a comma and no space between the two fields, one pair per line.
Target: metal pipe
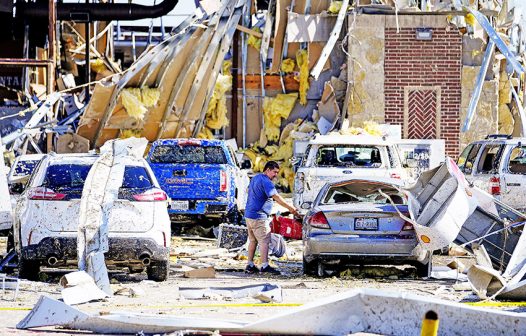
235,65
87,29
96,11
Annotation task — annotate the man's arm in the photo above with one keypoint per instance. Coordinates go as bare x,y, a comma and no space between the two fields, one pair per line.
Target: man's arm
282,202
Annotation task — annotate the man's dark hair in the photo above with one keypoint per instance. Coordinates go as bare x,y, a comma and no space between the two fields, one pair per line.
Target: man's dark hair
271,165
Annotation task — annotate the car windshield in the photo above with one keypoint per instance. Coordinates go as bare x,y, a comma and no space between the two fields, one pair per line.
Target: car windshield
363,156
188,154
25,167
363,191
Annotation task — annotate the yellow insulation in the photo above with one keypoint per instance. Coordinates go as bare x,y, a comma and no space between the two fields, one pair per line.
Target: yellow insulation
129,133
254,41
136,100
216,115
274,109
288,65
369,128
334,7
98,66
133,105
470,19
206,133
302,58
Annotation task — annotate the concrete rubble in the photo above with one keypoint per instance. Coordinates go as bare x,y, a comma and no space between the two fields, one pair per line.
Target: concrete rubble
350,312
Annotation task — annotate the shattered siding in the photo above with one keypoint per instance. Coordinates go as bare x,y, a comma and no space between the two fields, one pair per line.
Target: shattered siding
366,69
486,117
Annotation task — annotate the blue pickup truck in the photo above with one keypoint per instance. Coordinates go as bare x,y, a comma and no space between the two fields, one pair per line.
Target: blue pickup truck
202,178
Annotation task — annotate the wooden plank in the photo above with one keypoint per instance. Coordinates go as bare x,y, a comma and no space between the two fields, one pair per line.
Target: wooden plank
272,82
309,28
279,33
318,68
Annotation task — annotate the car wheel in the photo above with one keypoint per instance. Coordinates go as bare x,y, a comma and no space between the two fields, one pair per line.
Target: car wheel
234,216
320,269
310,268
158,270
424,270
28,269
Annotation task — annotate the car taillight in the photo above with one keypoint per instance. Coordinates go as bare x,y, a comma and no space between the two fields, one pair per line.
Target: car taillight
223,181
407,226
318,220
150,195
42,193
395,176
494,185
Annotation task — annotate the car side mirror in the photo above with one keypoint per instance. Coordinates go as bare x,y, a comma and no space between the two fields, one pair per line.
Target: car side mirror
306,205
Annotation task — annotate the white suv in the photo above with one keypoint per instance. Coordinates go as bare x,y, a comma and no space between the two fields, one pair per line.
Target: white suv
47,218
334,157
497,165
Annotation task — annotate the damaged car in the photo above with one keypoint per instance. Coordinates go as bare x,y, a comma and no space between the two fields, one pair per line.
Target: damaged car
47,218
360,221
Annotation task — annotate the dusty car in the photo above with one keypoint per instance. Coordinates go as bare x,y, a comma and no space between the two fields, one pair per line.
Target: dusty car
335,157
47,218
356,222
497,165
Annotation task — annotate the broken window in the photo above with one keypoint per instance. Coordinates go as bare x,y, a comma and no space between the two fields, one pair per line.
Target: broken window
467,158
517,162
363,156
490,159
69,179
188,154
367,192
25,167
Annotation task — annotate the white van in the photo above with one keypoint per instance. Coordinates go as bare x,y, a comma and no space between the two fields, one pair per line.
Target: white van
497,164
335,157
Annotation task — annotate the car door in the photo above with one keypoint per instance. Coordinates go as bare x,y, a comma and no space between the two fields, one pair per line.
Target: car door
513,177
241,181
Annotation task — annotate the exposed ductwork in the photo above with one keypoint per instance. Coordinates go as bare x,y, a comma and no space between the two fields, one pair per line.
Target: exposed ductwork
90,12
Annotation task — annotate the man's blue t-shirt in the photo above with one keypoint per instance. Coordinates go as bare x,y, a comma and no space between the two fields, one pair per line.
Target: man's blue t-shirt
259,201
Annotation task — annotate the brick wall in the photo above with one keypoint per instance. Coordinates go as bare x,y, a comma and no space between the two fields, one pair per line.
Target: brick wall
416,63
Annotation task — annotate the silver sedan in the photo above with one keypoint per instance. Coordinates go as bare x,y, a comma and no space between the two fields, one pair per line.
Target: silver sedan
358,221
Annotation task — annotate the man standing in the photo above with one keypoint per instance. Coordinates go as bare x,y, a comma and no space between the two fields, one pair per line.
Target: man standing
261,193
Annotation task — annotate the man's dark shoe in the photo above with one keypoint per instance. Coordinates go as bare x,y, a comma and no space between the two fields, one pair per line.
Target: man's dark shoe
270,270
251,269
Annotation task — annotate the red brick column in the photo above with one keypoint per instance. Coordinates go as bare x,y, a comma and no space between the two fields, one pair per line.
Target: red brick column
418,63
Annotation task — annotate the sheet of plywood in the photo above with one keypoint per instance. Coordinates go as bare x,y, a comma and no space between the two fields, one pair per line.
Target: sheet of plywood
309,28
315,51
279,33
95,109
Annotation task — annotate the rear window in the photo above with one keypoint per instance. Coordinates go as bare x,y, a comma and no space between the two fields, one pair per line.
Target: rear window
363,156
517,162
70,178
467,159
26,167
188,154
362,192
490,159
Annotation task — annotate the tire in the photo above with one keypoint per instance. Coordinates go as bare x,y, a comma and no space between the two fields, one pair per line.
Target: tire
28,269
310,268
158,270
424,270
234,216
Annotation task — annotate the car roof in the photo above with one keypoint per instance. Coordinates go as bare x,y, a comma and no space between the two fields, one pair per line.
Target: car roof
501,141
202,142
30,157
385,180
348,140
78,158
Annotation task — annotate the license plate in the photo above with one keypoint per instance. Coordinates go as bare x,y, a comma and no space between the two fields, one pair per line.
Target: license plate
179,205
366,223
